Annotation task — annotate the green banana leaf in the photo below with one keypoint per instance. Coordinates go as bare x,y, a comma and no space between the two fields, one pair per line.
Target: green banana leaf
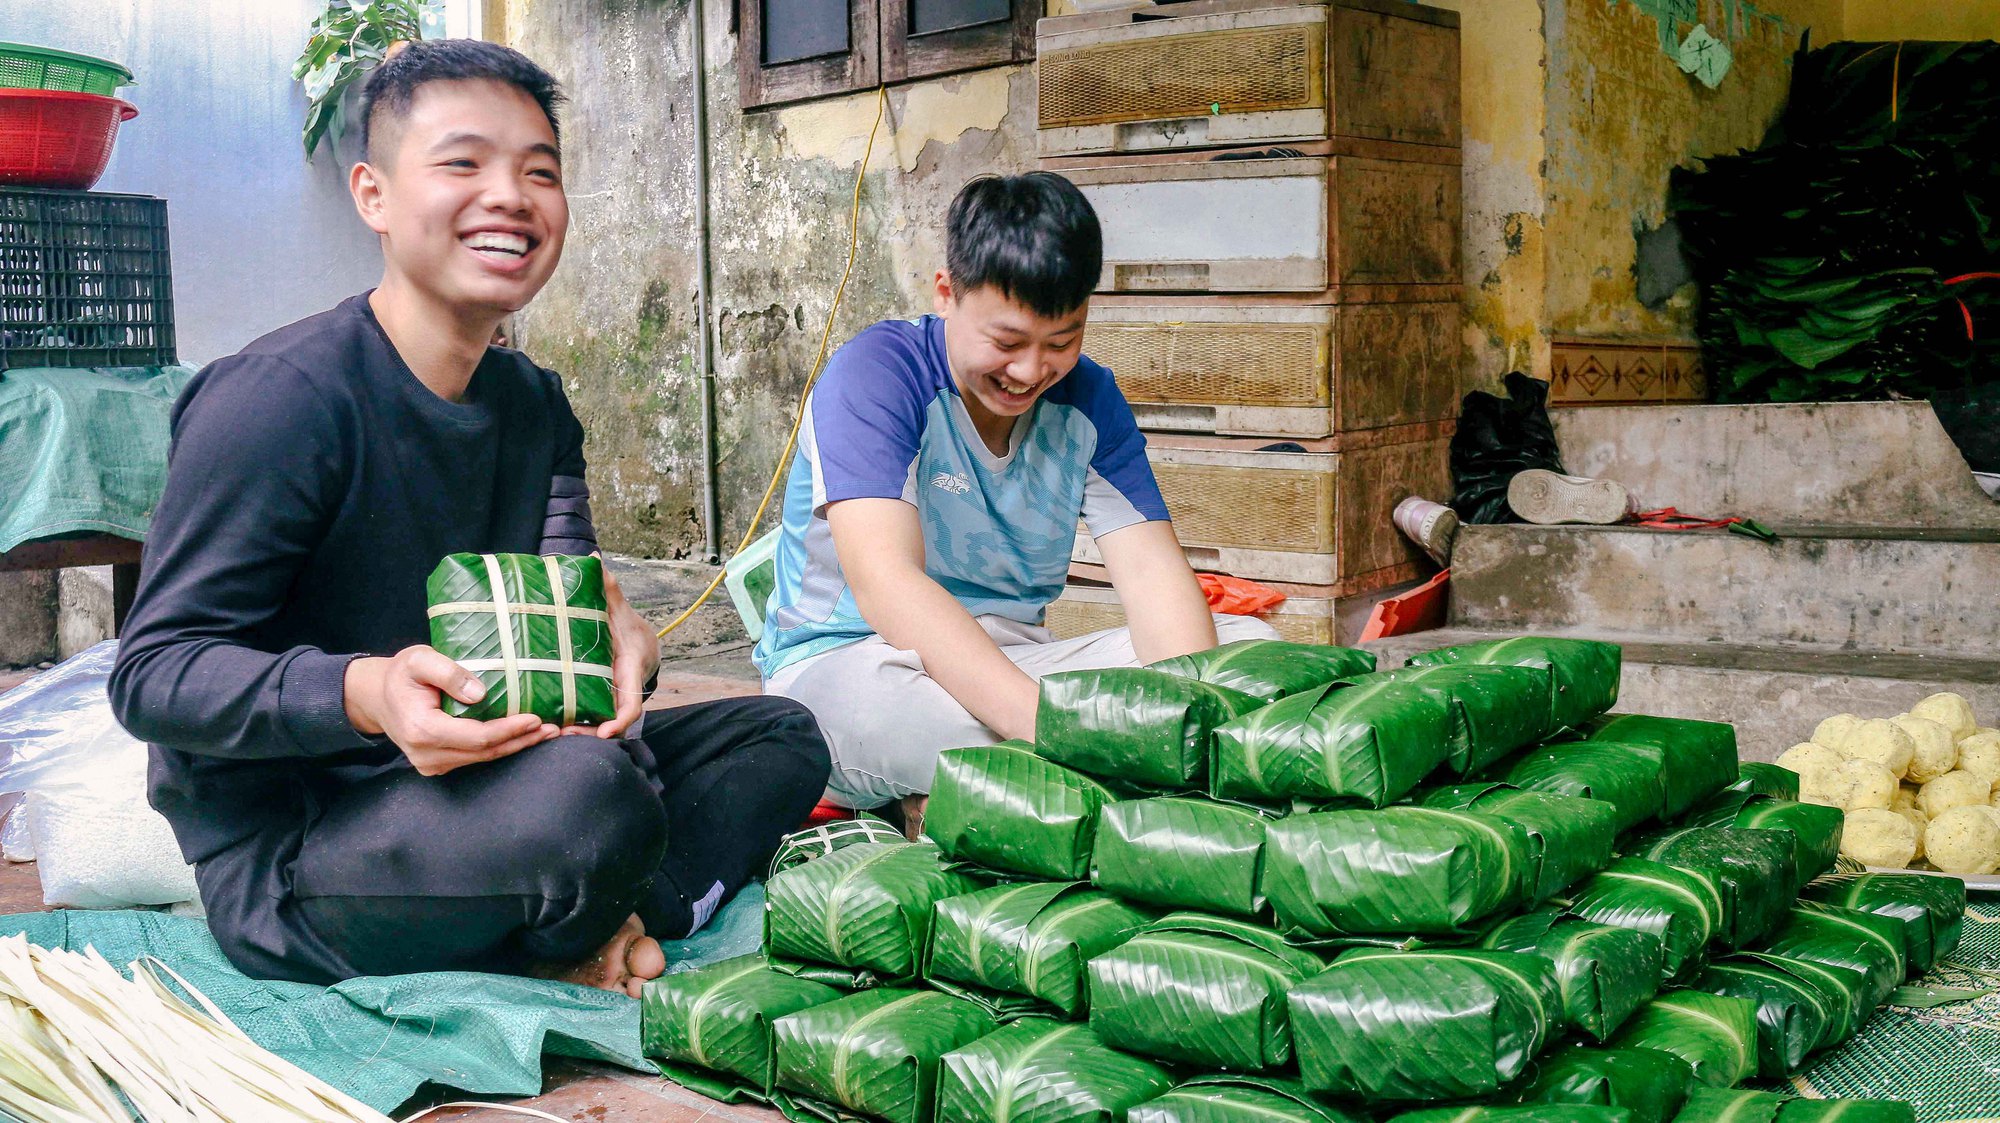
1603,973
1540,1113
1494,710
1815,829
1199,989
1698,758
1756,777
876,1052
1444,1024
1568,837
1340,743
1583,674
1269,669
718,1018
1183,853
1039,1071
800,847
1931,909
1715,1034
867,906
1650,1084
1844,937
1399,870
1796,1013
1847,1111
552,655
1004,807
1240,1099
1030,939
1680,909
1743,862
1134,725
1743,1105
1619,775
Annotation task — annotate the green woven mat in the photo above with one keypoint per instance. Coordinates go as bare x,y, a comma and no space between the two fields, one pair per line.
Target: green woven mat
1945,1061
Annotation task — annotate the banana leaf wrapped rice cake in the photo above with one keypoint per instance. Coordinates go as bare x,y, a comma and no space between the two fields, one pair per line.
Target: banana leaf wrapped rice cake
1494,710
1200,989
1038,1071
1387,1024
1341,743
1603,974
1626,778
1798,1013
1930,909
1137,726
1182,853
1033,939
1583,674
1240,1099
1396,871
1568,837
1650,1084
1003,807
1681,910
1750,868
876,1052
533,628
1697,758
717,1020
1843,937
1756,777
1815,829
1269,669
1715,1034
866,908
1744,1105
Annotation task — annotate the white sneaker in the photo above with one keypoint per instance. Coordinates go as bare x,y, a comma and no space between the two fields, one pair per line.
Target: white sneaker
1432,526
1541,496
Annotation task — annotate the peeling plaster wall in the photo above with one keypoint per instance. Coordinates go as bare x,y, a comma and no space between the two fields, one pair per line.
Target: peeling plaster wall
618,320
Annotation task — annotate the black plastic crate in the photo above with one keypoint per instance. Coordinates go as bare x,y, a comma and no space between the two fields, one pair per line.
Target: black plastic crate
86,280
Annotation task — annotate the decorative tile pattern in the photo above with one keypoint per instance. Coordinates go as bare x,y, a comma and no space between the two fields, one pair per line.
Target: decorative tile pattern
1608,371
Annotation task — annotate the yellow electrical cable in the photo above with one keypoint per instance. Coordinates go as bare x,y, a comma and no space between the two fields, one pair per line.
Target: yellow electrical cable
819,361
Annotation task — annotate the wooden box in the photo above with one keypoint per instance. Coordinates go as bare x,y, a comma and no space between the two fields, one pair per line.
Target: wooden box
1226,72
1092,608
1192,364
1319,517
1343,213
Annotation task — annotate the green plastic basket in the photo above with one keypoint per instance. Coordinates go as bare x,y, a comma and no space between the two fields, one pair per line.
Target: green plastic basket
25,67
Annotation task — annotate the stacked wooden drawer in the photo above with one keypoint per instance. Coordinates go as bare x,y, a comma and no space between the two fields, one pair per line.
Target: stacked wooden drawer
1279,185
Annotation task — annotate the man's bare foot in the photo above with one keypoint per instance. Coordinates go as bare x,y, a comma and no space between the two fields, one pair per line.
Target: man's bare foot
913,816
624,963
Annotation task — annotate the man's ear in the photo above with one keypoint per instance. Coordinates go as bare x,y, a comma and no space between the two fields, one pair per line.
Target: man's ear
365,183
942,298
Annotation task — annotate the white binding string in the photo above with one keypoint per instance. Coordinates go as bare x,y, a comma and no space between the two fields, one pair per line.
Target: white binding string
559,600
509,663
544,666
482,607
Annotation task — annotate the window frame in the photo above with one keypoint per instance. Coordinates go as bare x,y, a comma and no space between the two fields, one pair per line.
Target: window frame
906,57
881,52
760,85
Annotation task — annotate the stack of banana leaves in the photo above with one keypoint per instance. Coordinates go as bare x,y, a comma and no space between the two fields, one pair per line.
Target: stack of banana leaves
1263,885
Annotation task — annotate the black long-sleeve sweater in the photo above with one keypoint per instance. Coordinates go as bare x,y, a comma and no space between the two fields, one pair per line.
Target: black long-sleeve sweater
313,484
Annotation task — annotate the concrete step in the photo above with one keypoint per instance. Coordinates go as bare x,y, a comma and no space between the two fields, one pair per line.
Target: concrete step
1927,591
1773,694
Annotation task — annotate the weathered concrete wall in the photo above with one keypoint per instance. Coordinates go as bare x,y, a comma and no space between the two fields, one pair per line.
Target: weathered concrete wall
619,318
1932,19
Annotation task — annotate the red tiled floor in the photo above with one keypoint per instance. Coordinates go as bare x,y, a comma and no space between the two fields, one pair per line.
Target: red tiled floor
590,1093
20,887
685,688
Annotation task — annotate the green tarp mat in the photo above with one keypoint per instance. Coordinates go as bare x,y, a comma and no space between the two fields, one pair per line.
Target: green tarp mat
533,628
1494,710
876,1052
1388,1025
718,1018
1032,939
1742,862
1339,743
1756,777
1630,782
1744,1105
1568,837
1240,1099
1715,1034
1182,853
83,451
1038,1071
866,907
1603,973
1683,911
1650,1084
1796,1013
1004,807
1843,937
1815,829
1199,989
1583,674
1269,669
1396,871
1133,725
1698,757
1931,909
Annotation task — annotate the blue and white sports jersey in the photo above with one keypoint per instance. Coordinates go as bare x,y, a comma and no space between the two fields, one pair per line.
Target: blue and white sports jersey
885,421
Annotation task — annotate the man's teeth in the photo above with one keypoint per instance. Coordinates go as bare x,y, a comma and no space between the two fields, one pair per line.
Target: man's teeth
515,244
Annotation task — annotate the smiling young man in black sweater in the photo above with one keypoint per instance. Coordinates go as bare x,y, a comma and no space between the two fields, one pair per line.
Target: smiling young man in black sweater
339,822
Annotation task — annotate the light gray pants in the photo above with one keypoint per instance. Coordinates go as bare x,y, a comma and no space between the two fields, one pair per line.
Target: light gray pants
886,721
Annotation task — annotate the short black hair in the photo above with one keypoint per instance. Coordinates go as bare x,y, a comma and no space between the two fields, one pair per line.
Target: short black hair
392,88
1034,237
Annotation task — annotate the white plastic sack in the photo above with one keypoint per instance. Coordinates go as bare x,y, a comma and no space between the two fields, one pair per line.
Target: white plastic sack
97,843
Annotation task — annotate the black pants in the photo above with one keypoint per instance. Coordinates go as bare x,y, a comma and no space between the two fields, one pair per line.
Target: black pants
533,859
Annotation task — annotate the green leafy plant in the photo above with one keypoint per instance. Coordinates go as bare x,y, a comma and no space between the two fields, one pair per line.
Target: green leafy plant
348,39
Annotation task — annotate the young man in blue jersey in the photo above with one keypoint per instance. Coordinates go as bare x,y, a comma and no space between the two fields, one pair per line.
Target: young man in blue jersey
943,466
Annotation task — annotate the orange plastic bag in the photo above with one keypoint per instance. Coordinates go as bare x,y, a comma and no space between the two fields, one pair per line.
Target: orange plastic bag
1234,596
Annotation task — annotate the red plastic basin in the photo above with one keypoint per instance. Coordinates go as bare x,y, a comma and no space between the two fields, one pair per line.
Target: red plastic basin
54,138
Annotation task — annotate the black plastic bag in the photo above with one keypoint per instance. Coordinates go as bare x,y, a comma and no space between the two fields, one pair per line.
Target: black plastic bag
1498,438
